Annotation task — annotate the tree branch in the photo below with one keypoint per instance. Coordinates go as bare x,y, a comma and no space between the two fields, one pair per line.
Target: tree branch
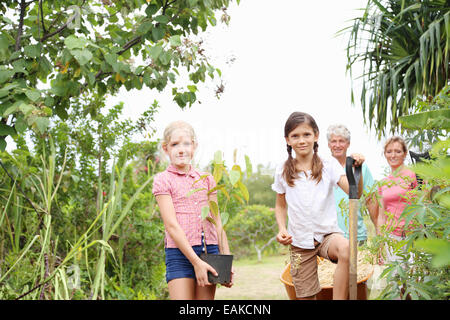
63,27
42,17
23,6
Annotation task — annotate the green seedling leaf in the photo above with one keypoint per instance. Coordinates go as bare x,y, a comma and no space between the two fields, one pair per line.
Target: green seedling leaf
248,166
214,207
244,191
218,172
191,192
205,212
211,220
218,187
224,218
218,157
234,177
439,248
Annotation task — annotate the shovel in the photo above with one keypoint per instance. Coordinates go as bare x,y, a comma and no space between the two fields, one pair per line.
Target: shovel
353,181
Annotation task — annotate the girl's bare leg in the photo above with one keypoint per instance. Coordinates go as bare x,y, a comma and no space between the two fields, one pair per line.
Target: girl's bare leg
339,250
182,289
205,293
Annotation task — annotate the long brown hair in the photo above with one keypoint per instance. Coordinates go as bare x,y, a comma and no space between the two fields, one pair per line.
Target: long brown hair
290,172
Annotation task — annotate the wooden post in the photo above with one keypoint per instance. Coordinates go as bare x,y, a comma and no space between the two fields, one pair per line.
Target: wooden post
353,238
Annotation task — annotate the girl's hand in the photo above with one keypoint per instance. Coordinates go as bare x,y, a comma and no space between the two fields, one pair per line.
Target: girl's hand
284,238
230,284
201,273
359,159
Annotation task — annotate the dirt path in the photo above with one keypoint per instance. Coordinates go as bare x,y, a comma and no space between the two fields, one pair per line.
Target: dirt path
256,280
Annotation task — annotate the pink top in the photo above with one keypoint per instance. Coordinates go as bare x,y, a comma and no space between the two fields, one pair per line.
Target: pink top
396,195
177,184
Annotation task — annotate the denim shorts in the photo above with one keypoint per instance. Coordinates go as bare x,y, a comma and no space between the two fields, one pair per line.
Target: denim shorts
178,266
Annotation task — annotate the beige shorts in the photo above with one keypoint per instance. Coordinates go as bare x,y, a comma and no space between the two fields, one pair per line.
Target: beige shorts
304,267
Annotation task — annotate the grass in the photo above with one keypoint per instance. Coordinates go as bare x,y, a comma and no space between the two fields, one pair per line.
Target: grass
255,280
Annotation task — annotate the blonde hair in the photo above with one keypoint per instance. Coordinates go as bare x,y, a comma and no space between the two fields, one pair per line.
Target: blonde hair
396,139
182,125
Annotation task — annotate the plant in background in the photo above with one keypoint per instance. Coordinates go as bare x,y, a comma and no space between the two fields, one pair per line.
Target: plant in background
423,272
253,227
404,50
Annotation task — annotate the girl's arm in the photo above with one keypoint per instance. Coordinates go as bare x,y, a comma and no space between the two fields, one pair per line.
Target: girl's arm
179,237
283,236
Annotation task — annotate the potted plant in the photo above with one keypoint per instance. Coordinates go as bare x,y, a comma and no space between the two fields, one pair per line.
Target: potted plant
229,184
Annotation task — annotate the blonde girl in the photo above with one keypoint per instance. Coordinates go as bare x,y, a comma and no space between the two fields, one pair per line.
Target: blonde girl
304,186
185,231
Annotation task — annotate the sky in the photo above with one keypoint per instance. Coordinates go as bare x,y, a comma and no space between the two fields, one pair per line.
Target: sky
276,57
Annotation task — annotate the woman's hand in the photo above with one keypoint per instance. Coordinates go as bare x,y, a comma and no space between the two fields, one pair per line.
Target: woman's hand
201,269
284,238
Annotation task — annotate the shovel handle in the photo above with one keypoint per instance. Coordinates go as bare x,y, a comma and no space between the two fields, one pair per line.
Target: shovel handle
353,178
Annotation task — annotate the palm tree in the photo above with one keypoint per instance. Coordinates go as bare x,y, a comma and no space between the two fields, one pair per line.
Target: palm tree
403,46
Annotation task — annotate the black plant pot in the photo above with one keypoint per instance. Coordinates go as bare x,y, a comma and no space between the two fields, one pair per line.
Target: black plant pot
222,264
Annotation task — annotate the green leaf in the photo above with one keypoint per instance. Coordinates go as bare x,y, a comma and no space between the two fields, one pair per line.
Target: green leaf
158,33
6,75
155,51
144,27
20,125
165,58
26,108
244,191
224,216
192,88
205,212
2,144
234,177
435,119
248,166
42,124
218,157
175,40
151,10
6,130
191,192
33,94
73,42
4,43
439,248
162,19
214,207
32,51
82,56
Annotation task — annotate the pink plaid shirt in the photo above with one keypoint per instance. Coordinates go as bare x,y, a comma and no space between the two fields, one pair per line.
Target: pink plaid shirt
187,209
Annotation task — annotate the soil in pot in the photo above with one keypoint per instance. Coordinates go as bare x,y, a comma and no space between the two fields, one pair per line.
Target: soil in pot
222,264
326,271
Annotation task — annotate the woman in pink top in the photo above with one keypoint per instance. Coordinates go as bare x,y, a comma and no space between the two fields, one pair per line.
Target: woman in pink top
397,190
185,231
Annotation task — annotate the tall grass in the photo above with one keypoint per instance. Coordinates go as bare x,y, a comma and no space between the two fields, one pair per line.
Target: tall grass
33,269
